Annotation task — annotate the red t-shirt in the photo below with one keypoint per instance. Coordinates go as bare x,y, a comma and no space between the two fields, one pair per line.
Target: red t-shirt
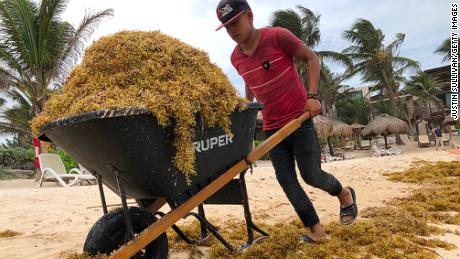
272,76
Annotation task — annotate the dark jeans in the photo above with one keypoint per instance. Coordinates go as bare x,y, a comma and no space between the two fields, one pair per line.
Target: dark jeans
303,147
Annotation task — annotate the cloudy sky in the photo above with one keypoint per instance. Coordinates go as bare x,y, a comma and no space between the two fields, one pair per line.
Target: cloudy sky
425,23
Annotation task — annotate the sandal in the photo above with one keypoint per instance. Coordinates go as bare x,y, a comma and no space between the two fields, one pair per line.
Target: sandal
307,239
350,210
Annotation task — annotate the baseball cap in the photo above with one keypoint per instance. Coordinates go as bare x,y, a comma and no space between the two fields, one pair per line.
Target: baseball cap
229,10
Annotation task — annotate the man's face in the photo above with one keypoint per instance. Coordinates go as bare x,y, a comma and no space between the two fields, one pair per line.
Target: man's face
240,29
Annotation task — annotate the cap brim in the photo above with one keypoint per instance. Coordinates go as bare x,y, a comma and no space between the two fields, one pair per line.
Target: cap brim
231,20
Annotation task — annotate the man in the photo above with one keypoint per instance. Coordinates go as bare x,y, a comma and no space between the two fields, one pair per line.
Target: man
264,58
438,135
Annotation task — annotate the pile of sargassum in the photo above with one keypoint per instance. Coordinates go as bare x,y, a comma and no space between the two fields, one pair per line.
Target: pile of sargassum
173,80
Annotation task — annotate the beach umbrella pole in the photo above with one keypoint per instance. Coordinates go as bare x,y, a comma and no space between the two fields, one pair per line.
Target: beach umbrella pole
329,143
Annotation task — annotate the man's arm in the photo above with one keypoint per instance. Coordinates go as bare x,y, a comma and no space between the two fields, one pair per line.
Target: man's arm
248,93
312,61
309,57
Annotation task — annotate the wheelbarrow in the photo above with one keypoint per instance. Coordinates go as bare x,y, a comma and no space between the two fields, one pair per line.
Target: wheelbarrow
131,155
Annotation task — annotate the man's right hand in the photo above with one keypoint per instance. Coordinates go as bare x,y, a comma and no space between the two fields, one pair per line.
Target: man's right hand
314,106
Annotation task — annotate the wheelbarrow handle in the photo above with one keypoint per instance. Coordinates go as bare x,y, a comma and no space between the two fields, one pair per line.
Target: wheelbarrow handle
157,228
276,138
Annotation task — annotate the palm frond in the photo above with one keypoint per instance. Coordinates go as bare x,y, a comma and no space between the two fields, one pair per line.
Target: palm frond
445,50
364,37
337,57
396,43
310,27
304,25
75,41
11,29
405,64
288,19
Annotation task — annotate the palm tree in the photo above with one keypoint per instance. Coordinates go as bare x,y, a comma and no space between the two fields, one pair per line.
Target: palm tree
353,108
15,120
444,49
37,48
426,89
306,27
377,63
331,89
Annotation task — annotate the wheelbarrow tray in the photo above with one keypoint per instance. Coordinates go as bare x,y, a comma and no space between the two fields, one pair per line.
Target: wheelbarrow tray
130,140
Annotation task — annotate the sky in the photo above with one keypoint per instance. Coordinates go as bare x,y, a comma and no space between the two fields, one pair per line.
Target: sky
424,22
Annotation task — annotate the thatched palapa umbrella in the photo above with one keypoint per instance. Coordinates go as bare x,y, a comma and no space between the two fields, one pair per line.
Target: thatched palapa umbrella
323,126
357,126
341,129
385,125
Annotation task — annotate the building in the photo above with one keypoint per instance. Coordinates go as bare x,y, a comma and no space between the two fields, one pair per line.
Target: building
442,74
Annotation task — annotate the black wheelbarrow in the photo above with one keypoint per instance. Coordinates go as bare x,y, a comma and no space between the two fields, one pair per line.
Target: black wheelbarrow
129,153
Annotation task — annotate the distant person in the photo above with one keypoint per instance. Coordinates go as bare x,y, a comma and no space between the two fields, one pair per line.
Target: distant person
438,135
264,58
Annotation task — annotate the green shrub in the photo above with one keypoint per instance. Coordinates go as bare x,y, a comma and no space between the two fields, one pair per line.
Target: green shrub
17,158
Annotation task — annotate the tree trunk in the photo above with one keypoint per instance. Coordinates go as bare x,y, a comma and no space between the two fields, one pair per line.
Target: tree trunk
390,89
386,143
399,140
323,108
393,104
329,143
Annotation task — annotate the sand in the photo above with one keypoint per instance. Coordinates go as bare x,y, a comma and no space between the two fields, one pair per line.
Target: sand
54,221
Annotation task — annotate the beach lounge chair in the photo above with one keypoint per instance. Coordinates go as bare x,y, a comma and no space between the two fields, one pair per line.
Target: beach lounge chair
445,138
53,169
350,145
393,152
365,145
377,151
456,141
423,140
83,174
330,158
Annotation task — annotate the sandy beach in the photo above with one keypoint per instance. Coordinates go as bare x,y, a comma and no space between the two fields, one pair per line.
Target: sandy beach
54,221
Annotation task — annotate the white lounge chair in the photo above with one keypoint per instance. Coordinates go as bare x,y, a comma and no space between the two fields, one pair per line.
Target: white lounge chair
377,151
365,144
350,145
393,152
423,140
330,158
456,141
52,169
445,138
83,174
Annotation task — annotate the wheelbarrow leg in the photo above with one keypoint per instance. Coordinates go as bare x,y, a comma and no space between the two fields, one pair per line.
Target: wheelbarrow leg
101,192
214,231
129,225
205,226
203,231
250,226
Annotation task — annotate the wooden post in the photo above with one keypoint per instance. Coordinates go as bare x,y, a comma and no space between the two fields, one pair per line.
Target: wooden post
160,226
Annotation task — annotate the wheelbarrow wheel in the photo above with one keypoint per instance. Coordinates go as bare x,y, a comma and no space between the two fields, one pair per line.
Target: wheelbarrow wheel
109,233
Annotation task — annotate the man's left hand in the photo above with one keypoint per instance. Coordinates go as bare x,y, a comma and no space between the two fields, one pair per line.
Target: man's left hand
314,106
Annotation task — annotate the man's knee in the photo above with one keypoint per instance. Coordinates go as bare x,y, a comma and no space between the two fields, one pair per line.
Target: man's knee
312,176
